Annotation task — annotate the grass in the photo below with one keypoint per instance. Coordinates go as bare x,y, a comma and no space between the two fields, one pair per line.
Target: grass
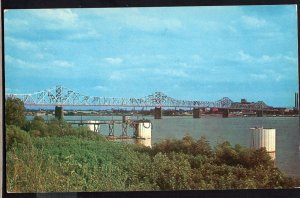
80,160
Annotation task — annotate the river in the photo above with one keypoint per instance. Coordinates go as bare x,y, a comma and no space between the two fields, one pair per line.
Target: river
217,130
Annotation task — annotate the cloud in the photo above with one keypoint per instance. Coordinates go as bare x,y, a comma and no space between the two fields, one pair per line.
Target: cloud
114,61
267,75
196,58
15,62
57,18
151,23
12,61
244,56
62,63
91,34
259,76
117,75
170,72
253,22
176,73
15,22
20,43
64,15
101,88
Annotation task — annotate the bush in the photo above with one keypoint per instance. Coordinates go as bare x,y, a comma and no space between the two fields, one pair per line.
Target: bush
77,161
38,126
246,157
14,112
187,145
15,135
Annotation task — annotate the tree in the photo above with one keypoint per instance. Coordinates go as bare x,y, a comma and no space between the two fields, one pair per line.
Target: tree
38,126
14,112
15,135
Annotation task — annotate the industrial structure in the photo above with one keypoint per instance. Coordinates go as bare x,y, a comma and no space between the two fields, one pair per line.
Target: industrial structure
297,101
142,129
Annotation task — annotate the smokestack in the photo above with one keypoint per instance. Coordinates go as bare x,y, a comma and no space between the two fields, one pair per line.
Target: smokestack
296,101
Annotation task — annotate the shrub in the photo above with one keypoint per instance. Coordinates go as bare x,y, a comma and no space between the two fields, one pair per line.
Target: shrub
15,135
14,112
38,124
187,145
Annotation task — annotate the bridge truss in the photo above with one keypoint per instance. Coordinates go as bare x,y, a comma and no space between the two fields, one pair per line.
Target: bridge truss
61,96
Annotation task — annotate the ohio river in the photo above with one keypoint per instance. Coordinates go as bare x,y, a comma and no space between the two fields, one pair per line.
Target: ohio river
217,130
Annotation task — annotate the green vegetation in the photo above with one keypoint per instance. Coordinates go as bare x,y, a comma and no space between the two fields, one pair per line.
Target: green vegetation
54,157
14,112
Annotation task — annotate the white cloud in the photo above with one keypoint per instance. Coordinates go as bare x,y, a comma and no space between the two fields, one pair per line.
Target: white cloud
15,22
253,22
176,73
91,34
259,76
268,74
170,72
57,18
291,59
20,43
117,75
197,58
113,61
244,56
15,62
151,23
65,15
266,58
101,88
62,63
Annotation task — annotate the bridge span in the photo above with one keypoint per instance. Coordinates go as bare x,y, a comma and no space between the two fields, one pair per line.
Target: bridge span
60,96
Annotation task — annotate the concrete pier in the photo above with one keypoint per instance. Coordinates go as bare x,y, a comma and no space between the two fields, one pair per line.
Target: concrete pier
59,114
196,113
264,138
157,113
225,113
260,113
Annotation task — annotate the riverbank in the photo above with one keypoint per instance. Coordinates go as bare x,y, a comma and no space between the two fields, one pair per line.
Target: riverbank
56,157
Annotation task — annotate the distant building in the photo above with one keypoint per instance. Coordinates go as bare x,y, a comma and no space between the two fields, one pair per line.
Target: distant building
243,101
253,105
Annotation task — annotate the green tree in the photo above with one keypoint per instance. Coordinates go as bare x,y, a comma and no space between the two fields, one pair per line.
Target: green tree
14,112
38,126
15,135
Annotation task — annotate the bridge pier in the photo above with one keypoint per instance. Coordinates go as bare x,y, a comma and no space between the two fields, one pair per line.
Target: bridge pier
111,129
157,113
260,113
196,112
225,113
59,114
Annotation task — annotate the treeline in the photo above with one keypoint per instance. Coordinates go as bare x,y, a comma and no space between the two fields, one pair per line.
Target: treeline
54,157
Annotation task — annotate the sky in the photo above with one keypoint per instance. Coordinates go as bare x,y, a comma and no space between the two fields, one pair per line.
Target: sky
190,53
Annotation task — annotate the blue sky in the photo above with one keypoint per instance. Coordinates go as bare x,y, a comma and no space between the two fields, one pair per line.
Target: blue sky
196,53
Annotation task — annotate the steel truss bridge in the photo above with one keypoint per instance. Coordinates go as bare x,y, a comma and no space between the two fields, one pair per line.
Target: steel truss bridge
62,96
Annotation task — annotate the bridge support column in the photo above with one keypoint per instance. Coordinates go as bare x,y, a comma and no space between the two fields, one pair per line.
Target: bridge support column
59,114
260,113
196,113
225,113
157,113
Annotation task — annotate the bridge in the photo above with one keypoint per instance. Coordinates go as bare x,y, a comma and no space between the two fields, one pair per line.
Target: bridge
60,96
